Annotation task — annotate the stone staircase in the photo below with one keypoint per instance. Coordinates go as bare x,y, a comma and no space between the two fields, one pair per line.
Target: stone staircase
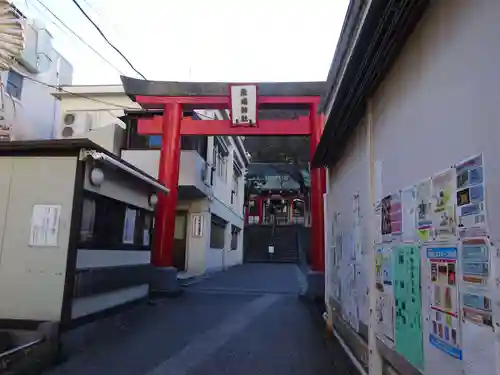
286,240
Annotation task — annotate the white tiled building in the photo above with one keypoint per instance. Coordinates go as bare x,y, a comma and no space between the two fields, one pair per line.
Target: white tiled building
29,111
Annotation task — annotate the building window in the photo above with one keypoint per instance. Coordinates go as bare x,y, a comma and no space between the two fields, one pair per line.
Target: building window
217,232
15,84
235,233
129,226
236,186
113,225
88,219
154,141
220,163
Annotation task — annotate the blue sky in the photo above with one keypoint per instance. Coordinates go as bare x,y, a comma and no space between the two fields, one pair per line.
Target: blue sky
198,40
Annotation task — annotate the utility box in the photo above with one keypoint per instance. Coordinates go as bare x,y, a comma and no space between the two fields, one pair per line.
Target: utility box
76,228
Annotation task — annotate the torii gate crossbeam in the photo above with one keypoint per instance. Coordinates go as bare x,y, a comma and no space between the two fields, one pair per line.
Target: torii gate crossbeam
176,97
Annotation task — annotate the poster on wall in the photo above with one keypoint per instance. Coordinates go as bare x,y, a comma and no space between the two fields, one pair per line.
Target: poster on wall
386,218
392,217
334,258
470,196
44,231
408,303
347,276
444,330
443,205
384,285
377,216
358,239
362,292
423,202
396,214
408,206
478,334
129,226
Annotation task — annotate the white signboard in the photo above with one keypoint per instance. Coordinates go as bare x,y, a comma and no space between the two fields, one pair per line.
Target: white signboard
244,104
197,225
129,226
45,225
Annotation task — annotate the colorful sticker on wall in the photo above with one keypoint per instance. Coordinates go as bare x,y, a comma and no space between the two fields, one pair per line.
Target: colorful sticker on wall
408,206
408,303
443,205
470,196
444,322
423,207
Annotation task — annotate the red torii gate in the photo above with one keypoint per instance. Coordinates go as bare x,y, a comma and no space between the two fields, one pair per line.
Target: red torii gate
174,98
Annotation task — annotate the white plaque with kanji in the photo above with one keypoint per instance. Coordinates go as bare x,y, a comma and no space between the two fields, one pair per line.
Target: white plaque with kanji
244,104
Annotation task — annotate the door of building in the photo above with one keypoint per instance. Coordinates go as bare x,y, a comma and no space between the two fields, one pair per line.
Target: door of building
180,242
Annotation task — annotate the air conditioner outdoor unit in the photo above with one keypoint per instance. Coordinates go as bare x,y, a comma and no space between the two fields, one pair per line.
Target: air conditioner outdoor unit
75,124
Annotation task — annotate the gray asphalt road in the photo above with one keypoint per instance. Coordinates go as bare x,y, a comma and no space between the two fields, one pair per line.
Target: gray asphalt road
246,320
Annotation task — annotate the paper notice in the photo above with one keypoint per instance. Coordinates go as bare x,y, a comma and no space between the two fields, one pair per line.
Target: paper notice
378,222
423,202
45,225
479,349
408,205
471,210
444,330
384,285
396,214
443,205
129,226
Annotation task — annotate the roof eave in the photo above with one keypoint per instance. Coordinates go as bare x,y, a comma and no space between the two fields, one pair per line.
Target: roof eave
381,33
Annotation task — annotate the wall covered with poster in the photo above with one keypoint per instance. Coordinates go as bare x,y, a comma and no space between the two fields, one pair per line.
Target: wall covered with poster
434,229
348,221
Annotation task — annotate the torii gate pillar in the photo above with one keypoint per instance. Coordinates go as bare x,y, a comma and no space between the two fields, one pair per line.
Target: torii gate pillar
175,97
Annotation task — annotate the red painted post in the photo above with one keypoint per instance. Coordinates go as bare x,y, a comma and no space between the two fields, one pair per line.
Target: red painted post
317,189
260,202
168,174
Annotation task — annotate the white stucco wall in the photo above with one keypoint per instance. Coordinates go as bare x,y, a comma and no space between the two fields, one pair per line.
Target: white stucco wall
437,106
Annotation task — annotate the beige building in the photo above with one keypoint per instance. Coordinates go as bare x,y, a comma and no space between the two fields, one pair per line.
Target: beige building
75,232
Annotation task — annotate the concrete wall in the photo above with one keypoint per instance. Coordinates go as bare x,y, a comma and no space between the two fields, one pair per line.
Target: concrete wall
437,107
32,278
